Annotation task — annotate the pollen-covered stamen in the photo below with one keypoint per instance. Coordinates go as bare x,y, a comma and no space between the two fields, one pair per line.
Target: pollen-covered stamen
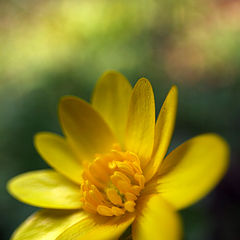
112,183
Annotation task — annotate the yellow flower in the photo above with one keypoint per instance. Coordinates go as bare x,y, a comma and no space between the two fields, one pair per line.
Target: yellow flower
110,169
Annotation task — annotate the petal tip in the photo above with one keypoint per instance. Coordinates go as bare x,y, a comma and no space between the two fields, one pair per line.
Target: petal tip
110,75
67,98
144,85
9,186
66,103
40,138
37,138
111,72
174,89
223,144
144,81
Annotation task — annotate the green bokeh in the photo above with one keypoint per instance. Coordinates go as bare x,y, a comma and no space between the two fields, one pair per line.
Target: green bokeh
53,48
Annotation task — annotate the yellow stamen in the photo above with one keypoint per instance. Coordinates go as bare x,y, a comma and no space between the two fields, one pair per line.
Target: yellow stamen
130,196
140,179
121,185
105,211
114,197
117,211
125,167
129,206
122,177
112,183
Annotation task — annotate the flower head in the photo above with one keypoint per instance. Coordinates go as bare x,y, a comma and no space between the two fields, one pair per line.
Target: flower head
111,169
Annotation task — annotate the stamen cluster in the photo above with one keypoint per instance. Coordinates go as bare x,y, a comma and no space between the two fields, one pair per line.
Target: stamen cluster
112,183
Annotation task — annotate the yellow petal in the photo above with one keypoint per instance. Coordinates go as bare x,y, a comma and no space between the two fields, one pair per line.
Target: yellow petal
98,228
85,129
47,224
163,132
56,151
156,220
190,171
47,189
111,98
141,121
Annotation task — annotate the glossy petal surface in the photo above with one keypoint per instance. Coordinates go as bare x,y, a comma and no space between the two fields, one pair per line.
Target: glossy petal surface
56,151
111,98
156,220
47,189
190,171
141,121
98,228
163,132
46,224
85,129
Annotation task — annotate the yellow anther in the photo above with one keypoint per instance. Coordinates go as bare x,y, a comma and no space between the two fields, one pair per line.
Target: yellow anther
105,211
133,157
125,167
91,197
97,193
136,167
121,185
129,206
114,197
135,190
122,177
130,196
140,179
117,211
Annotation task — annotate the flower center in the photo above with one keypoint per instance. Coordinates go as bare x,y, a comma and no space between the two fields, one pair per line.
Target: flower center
112,183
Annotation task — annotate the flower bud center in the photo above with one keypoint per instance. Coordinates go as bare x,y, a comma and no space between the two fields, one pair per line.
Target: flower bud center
112,183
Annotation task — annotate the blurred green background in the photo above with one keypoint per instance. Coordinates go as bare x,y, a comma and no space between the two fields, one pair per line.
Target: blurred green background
51,48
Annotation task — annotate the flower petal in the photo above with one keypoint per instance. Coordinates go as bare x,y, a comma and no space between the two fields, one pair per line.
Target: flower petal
163,132
47,189
86,131
46,224
111,98
98,228
190,171
156,220
56,151
141,121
